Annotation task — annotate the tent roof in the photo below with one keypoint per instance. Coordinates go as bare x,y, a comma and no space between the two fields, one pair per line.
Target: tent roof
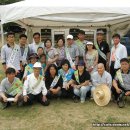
66,13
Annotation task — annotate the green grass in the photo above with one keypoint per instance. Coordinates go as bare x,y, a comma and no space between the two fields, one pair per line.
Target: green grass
63,115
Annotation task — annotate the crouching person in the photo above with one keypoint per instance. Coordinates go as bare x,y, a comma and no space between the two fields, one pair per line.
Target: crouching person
121,82
81,81
11,89
34,87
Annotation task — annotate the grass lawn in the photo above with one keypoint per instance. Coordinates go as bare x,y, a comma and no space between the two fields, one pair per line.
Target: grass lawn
63,115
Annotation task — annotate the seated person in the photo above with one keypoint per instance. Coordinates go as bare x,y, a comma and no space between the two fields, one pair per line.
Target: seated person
101,77
34,87
66,72
53,81
11,87
121,81
81,81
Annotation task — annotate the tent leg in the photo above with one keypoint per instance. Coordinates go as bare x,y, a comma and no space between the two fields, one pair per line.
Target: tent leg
2,35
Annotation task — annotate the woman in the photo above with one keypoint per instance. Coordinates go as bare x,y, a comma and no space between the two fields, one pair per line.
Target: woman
53,81
66,72
33,58
80,81
91,58
51,53
61,51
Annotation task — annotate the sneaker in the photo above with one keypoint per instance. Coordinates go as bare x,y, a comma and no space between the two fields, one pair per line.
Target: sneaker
82,101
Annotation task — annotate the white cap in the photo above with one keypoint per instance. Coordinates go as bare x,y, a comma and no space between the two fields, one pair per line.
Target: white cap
69,37
89,43
37,65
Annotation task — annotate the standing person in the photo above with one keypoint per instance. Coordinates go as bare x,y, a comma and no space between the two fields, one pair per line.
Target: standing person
51,53
40,51
34,87
37,43
61,51
91,58
81,81
118,51
66,72
24,51
103,49
72,52
53,81
11,55
81,43
11,87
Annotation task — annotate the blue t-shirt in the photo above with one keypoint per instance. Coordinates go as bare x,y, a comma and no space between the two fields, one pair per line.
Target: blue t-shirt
66,76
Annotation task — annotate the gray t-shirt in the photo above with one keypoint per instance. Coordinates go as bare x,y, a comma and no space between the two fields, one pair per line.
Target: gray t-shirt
126,80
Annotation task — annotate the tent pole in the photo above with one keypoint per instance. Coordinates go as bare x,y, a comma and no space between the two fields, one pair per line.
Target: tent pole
2,35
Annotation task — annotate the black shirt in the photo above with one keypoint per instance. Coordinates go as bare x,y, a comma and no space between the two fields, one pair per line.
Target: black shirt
82,78
49,80
104,47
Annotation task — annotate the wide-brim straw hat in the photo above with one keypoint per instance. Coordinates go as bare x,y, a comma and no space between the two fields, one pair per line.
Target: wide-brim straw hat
102,95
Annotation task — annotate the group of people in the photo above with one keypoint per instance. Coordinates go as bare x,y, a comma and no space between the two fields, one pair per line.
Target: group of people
39,71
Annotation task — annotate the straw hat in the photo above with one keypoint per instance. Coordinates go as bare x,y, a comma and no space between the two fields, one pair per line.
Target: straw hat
102,95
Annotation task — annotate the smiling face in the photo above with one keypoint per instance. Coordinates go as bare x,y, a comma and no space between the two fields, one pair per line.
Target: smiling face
100,68
81,36
99,37
48,44
65,67
52,71
23,40
36,70
89,47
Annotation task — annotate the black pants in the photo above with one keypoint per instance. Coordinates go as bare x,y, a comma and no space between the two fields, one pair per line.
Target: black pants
112,70
50,95
67,93
116,95
19,75
38,97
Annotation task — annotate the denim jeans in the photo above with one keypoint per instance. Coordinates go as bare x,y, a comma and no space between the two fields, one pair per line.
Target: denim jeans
81,92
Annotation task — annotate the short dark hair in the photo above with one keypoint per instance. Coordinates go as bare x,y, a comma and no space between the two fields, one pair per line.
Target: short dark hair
46,42
61,39
124,60
10,71
36,33
65,61
81,32
116,35
22,35
40,48
10,33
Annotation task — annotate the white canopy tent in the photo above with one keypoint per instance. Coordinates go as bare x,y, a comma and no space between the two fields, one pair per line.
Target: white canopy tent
52,13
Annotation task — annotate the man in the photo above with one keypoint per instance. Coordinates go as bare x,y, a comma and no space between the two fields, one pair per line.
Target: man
34,87
37,43
11,87
118,52
11,55
81,43
101,77
103,49
72,52
121,81
24,50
